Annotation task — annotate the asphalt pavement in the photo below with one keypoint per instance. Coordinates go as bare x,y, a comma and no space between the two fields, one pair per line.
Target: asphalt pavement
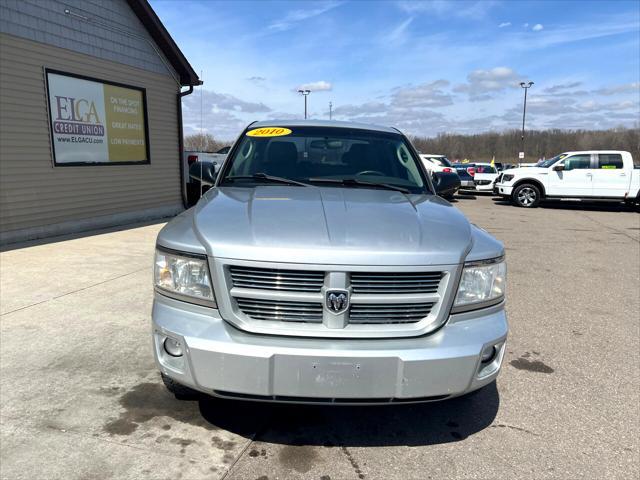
80,396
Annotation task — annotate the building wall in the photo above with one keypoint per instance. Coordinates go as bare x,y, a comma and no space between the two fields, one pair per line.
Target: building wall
111,32
38,199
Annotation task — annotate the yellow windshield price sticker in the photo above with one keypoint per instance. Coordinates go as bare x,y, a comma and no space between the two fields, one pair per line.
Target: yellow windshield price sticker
269,132
609,167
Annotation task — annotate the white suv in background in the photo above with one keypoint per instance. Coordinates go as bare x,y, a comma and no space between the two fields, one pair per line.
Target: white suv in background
485,177
436,163
587,175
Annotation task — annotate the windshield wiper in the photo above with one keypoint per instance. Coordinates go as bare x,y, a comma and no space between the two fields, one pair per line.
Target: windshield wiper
362,183
268,178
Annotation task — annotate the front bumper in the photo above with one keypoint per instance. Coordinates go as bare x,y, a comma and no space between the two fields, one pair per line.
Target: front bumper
502,189
467,185
484,188
224,361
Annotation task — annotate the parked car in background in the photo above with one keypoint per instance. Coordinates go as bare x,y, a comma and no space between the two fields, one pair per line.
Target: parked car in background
447,183
441,164
436,163
466,172
607,175
342,279
484,177
189,158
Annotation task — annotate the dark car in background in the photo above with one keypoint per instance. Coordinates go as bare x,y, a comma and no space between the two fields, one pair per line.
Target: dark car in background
466,172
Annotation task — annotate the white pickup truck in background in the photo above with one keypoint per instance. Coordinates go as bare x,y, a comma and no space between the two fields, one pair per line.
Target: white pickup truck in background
607,175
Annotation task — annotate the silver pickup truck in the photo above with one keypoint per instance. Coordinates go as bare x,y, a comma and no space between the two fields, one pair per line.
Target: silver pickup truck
322,267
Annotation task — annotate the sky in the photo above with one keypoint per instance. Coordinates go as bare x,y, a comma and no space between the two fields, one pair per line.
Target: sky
442,66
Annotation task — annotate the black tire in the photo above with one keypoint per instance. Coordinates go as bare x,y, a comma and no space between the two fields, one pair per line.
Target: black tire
526,195
180,391
448,196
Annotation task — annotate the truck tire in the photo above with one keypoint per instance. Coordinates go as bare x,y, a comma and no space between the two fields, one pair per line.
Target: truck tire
180,391
526,195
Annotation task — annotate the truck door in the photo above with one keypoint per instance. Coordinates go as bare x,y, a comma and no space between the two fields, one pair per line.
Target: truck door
574,180
610,179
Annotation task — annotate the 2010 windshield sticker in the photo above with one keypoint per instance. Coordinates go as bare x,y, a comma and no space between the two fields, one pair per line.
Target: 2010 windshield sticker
269,132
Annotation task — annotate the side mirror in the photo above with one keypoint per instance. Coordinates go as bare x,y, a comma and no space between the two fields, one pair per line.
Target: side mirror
203,172
558,168
446,183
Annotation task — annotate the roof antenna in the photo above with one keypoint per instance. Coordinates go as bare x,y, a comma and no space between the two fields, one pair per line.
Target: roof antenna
201,134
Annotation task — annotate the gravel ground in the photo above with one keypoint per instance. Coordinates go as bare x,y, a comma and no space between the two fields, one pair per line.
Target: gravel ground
81,399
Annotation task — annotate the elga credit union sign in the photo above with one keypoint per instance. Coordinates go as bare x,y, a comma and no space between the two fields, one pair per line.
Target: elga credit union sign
96,122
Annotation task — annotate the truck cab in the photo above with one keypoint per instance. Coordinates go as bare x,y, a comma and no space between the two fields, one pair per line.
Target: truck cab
607,175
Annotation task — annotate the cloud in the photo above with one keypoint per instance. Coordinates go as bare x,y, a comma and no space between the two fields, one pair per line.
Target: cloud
426,95
256,79
447,8
480,83
537,27
398,34
318,86
561,87
617,89
410,108
368,108
284,116
296,16
504,24
593,106
525,25
221,101
222,113
221,123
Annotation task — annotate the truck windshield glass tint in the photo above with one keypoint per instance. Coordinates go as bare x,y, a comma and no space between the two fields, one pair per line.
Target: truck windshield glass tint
328,153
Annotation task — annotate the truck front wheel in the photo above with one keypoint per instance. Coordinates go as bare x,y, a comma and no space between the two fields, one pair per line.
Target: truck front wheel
526,195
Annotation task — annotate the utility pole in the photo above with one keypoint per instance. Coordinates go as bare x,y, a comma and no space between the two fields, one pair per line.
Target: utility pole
330,109
526,87
305,94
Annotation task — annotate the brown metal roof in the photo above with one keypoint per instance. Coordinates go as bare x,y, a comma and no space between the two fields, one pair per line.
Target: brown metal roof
161,36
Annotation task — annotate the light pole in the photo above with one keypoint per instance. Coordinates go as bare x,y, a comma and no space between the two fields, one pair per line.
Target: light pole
330,109
526,87
305,94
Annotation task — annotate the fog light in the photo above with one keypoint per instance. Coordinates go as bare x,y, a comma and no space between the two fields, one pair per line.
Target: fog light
488,354
172,347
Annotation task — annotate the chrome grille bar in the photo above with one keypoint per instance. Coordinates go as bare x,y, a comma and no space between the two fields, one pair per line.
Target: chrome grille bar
362,313
273,279
279,310
395,282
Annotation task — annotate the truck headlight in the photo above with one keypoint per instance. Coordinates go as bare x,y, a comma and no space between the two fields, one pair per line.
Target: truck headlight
183,276
482,284
507,178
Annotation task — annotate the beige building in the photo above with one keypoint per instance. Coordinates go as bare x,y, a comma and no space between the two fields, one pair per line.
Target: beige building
90,117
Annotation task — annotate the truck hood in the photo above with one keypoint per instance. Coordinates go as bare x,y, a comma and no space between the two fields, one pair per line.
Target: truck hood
340,226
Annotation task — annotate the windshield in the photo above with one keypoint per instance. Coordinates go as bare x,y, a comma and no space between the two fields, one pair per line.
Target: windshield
324,156
551,161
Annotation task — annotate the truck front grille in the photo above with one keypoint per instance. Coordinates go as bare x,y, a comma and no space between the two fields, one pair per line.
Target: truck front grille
375,313
381,301
272,279
410,282
278,310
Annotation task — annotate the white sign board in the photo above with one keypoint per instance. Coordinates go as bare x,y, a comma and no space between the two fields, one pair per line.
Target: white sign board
96,122
521,155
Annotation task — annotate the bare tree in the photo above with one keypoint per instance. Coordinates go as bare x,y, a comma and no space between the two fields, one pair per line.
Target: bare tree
504,146
201,142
